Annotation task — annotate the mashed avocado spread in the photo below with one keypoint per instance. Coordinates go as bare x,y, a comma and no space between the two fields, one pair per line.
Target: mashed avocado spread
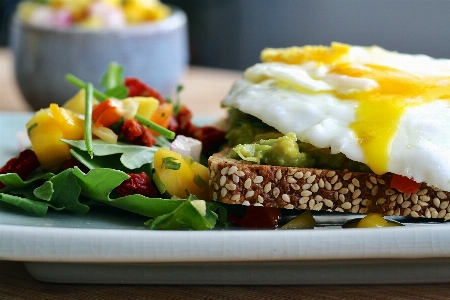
254,141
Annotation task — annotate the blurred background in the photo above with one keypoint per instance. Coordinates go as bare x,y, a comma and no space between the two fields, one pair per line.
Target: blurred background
231,33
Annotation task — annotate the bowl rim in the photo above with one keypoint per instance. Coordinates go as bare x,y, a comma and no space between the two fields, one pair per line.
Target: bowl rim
176,20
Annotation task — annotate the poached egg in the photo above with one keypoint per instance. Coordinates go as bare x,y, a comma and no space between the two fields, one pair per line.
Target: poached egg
388,110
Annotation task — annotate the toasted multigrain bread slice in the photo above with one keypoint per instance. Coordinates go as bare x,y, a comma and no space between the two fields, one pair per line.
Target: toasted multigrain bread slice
240,182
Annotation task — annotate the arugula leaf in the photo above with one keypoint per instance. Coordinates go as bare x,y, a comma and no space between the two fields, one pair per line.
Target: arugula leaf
13,181
35,208
132,156
16,186
168,214
113,82
66,192
45,191
185,215
59,191
98,183
108,161
118,92
220,211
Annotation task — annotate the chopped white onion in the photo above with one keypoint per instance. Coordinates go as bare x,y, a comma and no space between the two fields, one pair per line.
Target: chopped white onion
128,107
187,146
105,134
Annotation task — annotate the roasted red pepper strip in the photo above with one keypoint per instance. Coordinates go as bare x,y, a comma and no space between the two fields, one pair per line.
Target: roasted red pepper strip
138,88
404,184
25,164
258,217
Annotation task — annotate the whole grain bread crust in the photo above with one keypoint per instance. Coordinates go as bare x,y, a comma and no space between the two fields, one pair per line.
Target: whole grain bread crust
240,182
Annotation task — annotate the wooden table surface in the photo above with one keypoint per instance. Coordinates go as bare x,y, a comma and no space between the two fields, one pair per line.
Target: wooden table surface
204,88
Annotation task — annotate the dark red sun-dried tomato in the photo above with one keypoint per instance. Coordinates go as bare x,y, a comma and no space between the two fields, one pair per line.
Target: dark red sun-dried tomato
258,217
136,133
210,136
137,184
138,88
25,164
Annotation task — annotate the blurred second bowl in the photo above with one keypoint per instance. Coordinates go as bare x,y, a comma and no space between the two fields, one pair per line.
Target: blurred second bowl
156,53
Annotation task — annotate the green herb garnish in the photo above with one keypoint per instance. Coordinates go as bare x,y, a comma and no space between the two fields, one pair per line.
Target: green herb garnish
112,81
170,163
102,97
200,182
88,119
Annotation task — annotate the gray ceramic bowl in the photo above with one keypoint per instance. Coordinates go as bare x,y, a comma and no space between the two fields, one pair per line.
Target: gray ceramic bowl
157,53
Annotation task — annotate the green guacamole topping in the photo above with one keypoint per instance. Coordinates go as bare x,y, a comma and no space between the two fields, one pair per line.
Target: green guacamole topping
256,142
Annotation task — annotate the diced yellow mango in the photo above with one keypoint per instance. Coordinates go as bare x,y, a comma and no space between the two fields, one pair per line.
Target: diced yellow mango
46,128
203,177
147,106
179,182
71,126
137,11
78,102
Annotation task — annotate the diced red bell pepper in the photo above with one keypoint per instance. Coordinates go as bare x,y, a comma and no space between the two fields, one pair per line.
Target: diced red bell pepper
404,184
105,114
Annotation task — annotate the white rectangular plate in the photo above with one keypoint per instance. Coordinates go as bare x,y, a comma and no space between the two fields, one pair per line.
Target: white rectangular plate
111,246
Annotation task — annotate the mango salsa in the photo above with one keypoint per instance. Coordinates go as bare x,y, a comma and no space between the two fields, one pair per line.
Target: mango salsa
147,106
47,127
181,176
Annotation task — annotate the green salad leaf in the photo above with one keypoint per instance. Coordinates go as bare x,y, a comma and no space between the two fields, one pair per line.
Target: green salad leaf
35,208
112,81
63,191
75,191
186,215
66,192
132,156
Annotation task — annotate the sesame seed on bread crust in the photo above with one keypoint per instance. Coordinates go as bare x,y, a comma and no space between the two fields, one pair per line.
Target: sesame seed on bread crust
235,181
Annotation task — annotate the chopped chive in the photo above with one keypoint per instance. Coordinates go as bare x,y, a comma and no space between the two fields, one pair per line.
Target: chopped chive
170,163
159,184
34,125
88,119
155,127
200,182
81,84
102,97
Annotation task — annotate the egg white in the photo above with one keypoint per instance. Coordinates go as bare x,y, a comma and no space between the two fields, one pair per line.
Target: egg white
300,99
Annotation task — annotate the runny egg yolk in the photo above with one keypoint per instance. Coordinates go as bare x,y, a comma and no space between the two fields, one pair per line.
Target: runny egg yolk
380,109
